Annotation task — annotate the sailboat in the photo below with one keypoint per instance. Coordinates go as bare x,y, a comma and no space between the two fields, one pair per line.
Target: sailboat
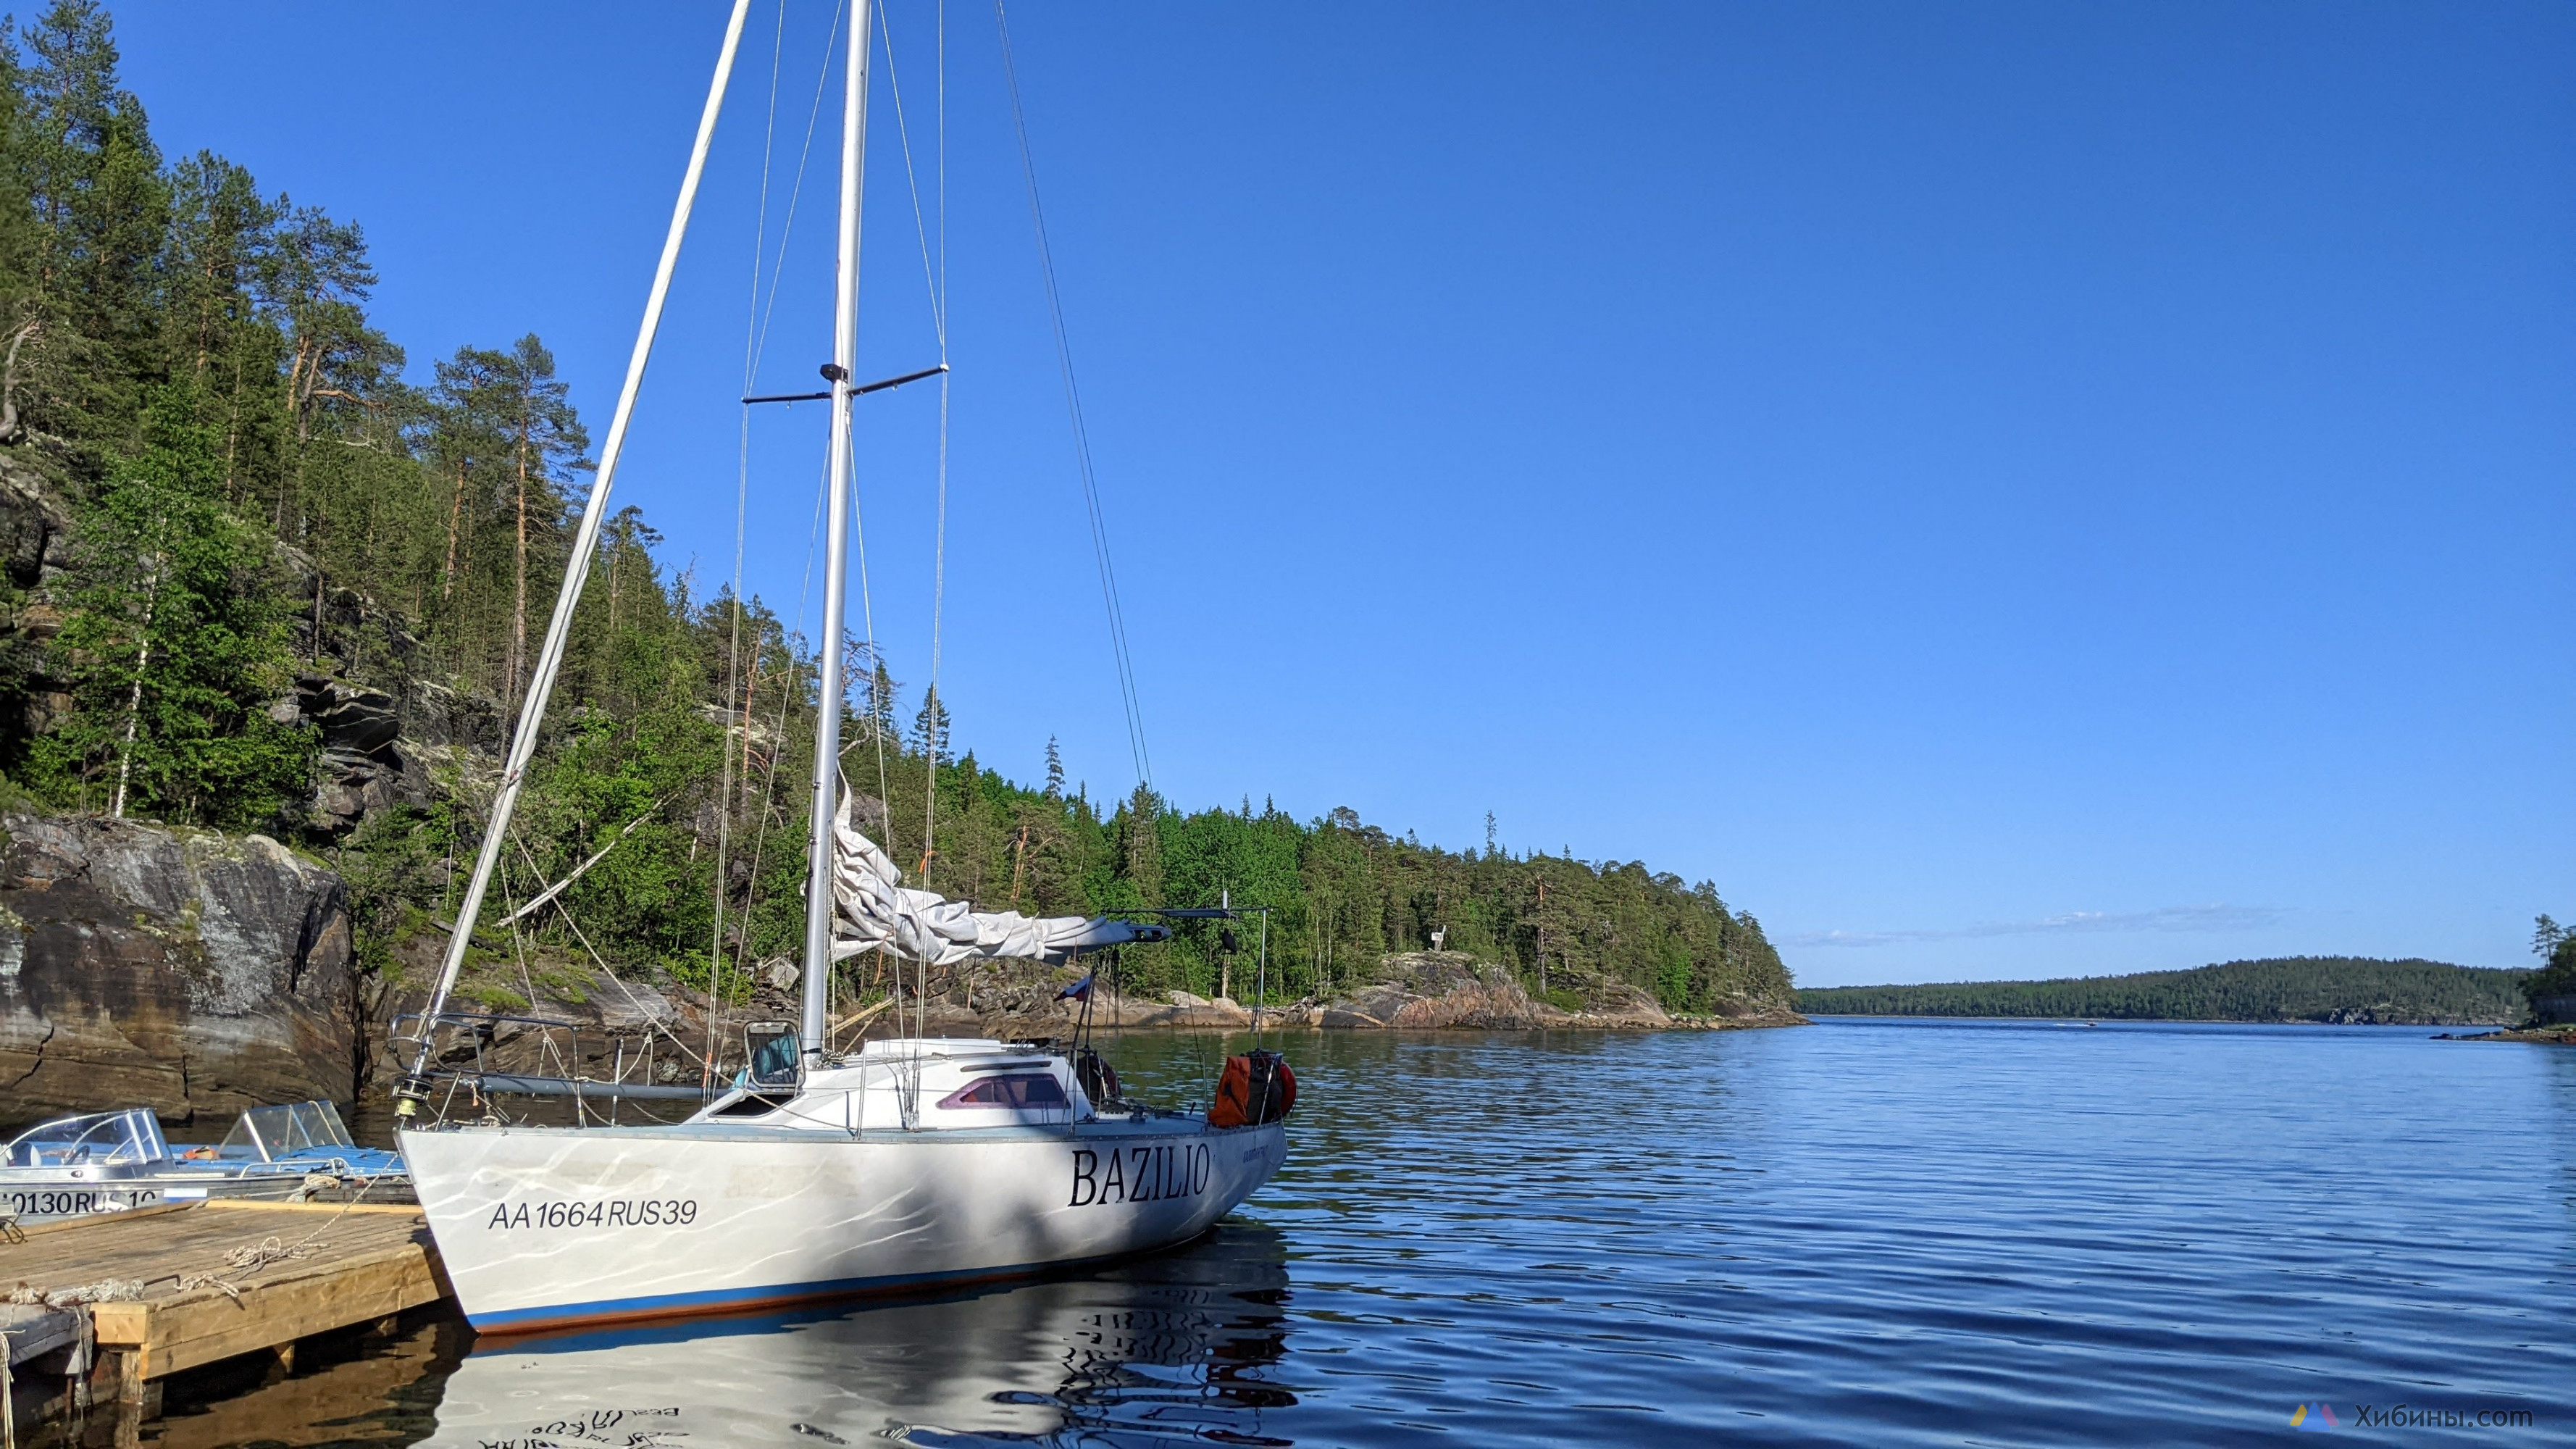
912,1161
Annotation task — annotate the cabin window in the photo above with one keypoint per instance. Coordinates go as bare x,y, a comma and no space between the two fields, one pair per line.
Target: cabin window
1015,1091
771,1048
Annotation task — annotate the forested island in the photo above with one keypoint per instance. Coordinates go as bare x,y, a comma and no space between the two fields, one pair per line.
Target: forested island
2293,988
263,575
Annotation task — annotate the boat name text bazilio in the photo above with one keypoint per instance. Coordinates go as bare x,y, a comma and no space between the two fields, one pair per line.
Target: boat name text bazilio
1167,1171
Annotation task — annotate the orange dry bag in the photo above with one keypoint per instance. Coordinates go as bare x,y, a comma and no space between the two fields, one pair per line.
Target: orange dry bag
1253,1089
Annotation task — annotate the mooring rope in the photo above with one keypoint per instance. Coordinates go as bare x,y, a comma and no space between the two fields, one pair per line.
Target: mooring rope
249,1258
252,1257
105,1290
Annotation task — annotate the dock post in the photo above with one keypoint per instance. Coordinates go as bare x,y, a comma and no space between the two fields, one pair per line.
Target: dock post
137,1398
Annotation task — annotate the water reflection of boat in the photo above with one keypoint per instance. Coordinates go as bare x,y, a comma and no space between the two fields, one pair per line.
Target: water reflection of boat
1182,1345
110,1161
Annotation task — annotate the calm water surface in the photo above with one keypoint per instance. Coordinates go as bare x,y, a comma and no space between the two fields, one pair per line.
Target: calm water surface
1864,1232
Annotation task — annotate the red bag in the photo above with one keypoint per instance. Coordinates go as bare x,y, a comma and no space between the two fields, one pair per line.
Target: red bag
1254,1088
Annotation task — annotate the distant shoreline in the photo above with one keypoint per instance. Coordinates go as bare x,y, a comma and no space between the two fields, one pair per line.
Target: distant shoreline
2290,990
2563,1034
2128,1020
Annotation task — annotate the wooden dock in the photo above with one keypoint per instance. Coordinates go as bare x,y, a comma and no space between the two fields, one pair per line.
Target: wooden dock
182,1287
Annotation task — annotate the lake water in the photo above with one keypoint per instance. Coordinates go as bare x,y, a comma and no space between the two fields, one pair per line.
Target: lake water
1861,1232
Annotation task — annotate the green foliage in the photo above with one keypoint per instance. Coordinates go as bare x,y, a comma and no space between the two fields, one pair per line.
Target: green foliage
393,866
261,495
1341,894
175,643
2555,945
495,998
2296,988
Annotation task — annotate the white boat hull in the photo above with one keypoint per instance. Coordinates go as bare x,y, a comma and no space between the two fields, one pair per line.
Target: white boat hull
543,1228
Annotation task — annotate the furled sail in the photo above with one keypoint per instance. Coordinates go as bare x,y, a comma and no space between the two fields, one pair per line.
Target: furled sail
872,908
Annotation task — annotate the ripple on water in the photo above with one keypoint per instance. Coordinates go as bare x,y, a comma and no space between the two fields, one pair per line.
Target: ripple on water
1858,1233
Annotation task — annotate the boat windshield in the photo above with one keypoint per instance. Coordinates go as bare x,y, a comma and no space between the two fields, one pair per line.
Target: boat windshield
100,1138
270,1133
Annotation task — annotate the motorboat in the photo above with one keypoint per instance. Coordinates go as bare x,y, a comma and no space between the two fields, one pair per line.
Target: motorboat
111,1161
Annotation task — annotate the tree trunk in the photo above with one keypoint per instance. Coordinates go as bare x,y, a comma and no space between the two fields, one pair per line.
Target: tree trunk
519,584
205,320
232,431
134,704
287,477
455,519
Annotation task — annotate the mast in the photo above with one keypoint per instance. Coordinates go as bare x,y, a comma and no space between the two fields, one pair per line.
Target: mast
532,710
827,712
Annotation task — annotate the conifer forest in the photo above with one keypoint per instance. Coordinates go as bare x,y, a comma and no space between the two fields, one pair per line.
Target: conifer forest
267,572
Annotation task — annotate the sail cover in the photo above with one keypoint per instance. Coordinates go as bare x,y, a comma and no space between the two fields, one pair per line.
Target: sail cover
872,908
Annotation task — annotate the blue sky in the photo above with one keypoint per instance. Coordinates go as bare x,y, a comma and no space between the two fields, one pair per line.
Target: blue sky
2004,490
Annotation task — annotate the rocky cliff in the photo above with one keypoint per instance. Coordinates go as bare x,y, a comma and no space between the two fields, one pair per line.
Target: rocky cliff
1449,990
184,971
198,974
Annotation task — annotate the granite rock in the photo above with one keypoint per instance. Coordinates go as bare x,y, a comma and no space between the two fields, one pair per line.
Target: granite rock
192,973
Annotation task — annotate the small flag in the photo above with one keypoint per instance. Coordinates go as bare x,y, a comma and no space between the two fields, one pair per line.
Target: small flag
1078,991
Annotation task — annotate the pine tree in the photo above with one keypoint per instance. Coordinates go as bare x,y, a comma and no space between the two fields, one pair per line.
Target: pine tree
878,690
175,645
930,728
92,179
245,464
1140,846
465,440
219,228
547,448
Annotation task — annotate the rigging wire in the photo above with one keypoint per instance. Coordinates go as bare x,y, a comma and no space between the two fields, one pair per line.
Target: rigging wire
763,310
934,276
939,286
868,621
651,1018
1073,411
796,193
741,520
778,730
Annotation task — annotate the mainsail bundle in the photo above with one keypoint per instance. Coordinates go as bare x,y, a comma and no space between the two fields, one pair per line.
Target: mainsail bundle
872,907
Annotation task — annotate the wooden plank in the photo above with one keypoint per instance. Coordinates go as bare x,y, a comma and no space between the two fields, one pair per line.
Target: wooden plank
190,1241
34,1331
99,1220
353,1209
367,1263
206,1325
